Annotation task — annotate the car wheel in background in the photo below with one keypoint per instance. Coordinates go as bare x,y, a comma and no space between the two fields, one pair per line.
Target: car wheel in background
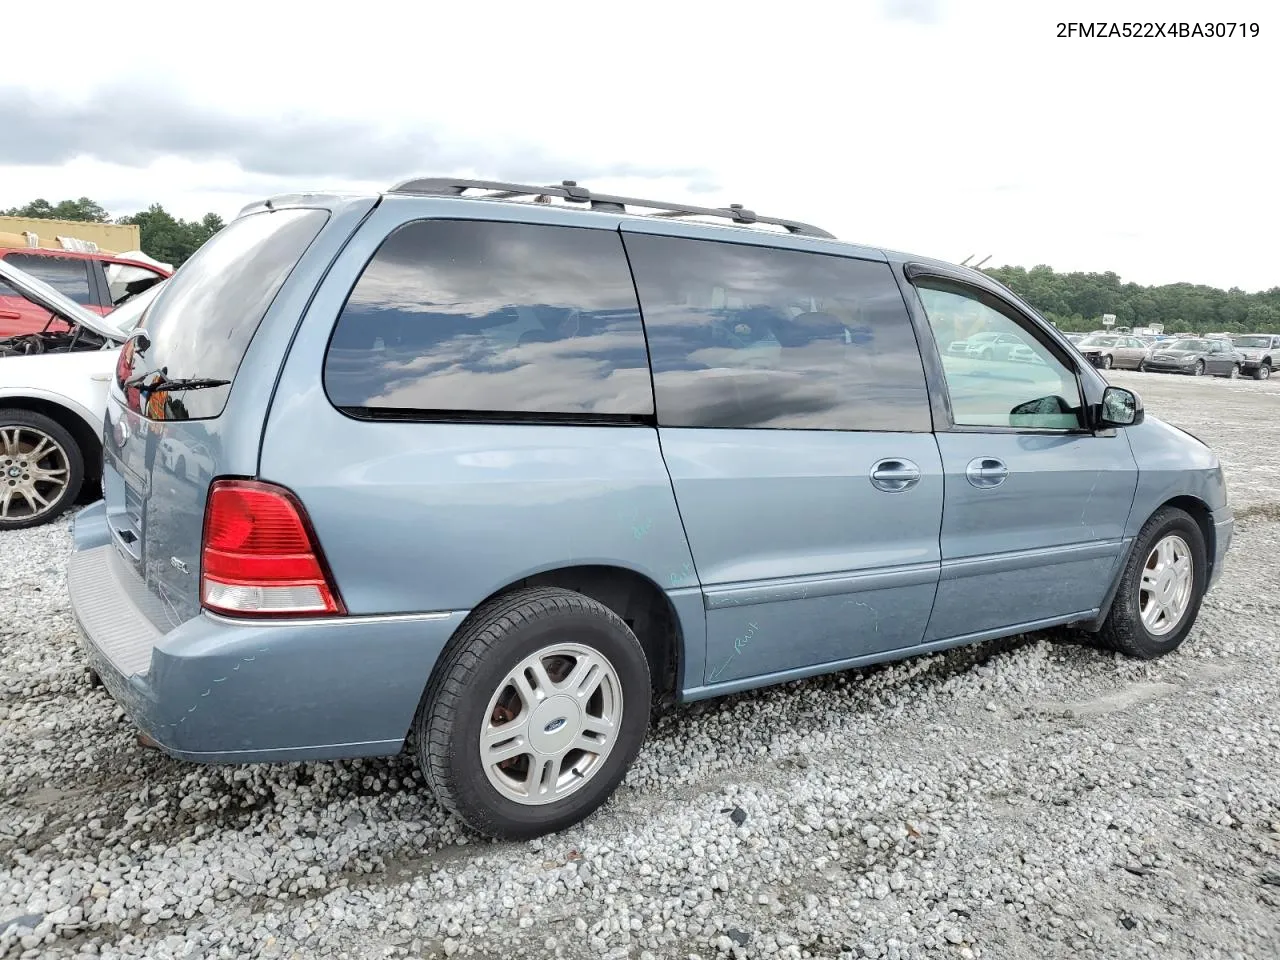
535,712
41,469
1198,369
1106,362
1160,589
1263,371
1235,372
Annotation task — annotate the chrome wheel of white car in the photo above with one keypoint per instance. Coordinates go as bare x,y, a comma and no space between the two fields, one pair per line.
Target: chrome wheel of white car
1167,585
40,469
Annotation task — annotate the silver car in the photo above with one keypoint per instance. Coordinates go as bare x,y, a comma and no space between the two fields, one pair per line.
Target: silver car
1114,350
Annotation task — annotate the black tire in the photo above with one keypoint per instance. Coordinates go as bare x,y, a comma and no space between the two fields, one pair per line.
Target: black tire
1198,369
1123,630
1263,371
477,658
29,420
1235,372
1106,362
1142,366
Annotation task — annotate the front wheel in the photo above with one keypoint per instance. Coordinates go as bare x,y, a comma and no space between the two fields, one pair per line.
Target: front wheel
1160,589
41,469
1235,372
1106,362
1263,371
1198,369
534,714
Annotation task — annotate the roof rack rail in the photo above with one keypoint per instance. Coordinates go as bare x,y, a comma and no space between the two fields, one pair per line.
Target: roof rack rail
572,193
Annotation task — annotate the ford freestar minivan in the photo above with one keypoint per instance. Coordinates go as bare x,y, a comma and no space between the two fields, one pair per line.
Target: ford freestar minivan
499,465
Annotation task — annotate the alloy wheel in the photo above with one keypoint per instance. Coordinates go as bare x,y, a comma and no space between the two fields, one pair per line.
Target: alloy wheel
551,724
34,472
1164,593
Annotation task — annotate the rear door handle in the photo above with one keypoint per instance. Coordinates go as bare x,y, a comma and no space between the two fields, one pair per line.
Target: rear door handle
894,475
986,472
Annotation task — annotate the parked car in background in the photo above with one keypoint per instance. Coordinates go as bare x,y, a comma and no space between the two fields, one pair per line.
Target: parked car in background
53,389
988,345
1075,337
1197,356
1258,352
479,468
98,282
1114,350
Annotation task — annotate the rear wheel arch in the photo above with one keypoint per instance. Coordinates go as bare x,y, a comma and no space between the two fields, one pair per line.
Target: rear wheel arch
636,599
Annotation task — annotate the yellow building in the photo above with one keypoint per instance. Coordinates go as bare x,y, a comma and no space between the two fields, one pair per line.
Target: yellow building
64,234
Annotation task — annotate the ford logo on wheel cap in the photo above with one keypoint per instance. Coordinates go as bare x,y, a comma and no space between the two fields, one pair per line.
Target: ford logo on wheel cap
554,725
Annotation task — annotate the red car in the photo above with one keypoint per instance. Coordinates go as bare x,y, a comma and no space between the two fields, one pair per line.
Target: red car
97,281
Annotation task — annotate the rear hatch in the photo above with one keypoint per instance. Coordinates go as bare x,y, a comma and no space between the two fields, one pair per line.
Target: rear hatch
165,430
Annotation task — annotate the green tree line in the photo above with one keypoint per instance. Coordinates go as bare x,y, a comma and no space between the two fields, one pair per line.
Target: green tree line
1077,301
164,236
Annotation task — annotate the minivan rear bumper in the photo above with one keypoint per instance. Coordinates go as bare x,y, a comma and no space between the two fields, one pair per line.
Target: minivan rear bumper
220,690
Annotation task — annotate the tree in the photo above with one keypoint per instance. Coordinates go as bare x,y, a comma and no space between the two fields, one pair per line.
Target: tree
169,239
1076,301
83,209
163,236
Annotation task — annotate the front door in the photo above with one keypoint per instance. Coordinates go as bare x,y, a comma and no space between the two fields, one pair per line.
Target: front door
1035,504
794,421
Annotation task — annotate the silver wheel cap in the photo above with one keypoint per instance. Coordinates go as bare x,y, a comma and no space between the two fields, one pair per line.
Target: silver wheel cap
551,724
34,472
1167,581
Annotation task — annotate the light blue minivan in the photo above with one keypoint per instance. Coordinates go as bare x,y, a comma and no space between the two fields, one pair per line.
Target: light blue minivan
489,469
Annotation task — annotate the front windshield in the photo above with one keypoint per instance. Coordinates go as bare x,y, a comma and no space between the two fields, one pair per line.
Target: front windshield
1098,342
1189,346
1252,341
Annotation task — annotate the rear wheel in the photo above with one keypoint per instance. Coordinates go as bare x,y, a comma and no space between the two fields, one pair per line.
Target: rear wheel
1235,372
536,711
1160,589
41,469
1106,362
1263,371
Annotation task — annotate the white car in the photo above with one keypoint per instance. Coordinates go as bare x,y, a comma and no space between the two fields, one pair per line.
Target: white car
53,394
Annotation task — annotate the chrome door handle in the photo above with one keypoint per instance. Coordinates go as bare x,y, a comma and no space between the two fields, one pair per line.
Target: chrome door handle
986,472
894,476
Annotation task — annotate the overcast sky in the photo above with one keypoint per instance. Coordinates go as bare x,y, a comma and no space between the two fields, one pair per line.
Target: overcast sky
943,127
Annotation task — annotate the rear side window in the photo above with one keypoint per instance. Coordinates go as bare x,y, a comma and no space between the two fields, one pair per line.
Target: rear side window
491,318
67,275
200,325
749,336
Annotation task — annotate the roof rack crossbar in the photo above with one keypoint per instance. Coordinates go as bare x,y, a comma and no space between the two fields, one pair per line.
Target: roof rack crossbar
569,191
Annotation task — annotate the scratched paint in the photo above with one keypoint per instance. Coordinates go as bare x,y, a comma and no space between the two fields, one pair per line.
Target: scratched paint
739,644
681,575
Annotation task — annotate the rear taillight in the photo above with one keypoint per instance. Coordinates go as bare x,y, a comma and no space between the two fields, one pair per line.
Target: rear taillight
260,556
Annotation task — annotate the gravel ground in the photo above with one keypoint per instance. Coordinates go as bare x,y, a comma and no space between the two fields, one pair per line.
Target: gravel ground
1028,797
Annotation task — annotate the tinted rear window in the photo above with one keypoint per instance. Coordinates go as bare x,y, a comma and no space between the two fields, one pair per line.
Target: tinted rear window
751,336
201,323
492,318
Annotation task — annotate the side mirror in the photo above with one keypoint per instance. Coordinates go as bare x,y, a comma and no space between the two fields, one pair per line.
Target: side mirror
1120,408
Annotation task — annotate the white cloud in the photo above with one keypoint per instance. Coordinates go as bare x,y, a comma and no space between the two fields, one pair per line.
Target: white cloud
937,127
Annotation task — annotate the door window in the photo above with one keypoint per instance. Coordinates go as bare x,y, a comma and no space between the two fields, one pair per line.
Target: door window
746,336
67,275
998,391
